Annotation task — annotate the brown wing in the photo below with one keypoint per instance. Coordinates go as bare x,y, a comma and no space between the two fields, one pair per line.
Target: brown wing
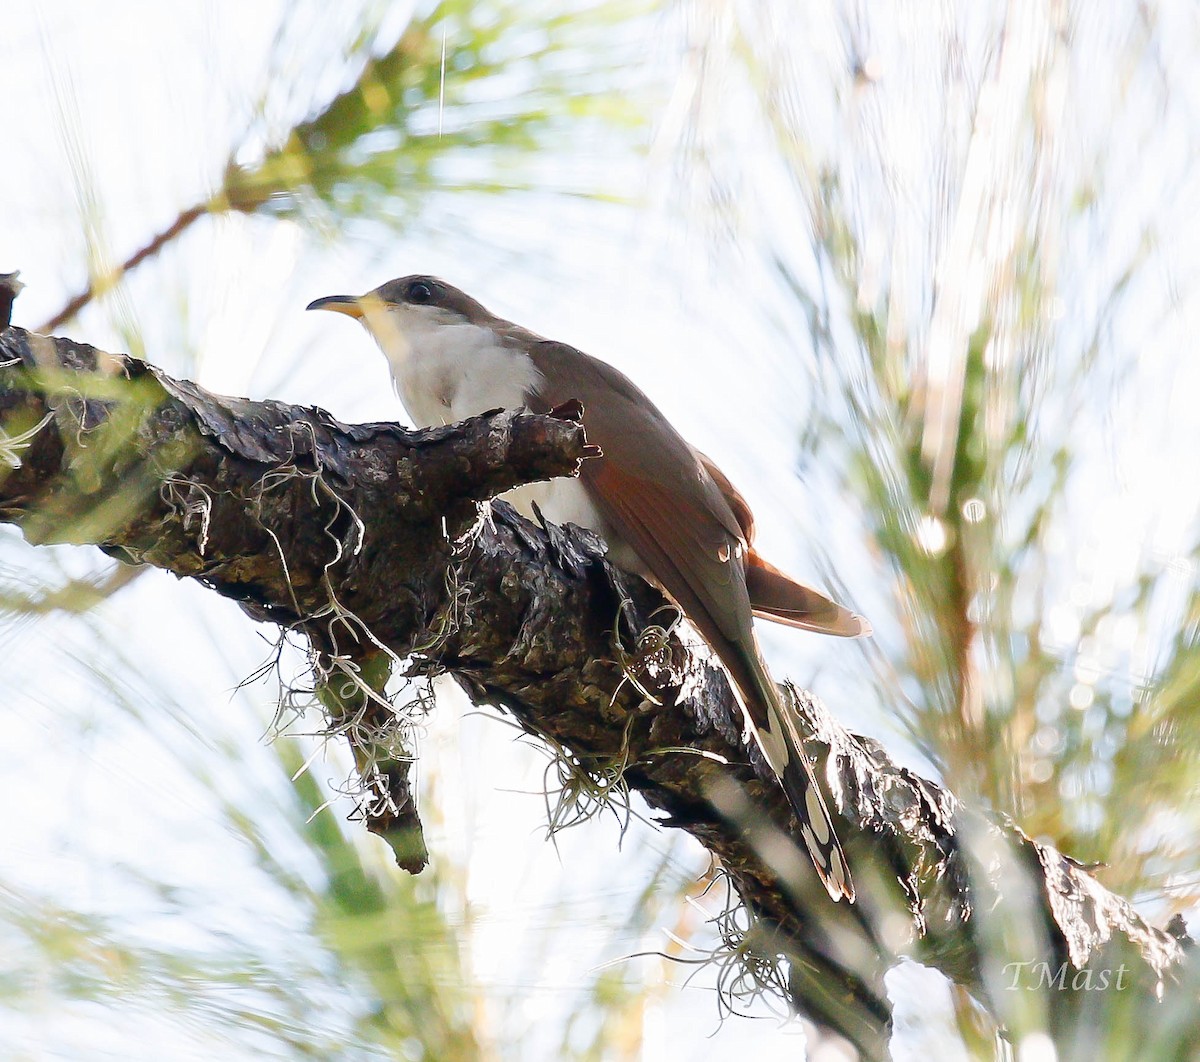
659,495
733,497
656,494
775,595
682,547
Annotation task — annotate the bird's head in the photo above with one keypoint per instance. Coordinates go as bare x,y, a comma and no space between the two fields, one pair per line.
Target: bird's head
402,315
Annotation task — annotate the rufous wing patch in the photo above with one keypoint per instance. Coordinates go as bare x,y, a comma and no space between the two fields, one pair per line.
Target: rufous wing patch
777,596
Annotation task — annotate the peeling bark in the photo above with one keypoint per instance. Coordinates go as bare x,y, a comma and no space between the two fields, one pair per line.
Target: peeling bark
369,540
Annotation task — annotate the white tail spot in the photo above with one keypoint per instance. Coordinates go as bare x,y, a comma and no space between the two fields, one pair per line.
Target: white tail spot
771,741
817,815
838,872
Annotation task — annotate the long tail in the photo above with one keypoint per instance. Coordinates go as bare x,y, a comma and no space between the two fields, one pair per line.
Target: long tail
777,737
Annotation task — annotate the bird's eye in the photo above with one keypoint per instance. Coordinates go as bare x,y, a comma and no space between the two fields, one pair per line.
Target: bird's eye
420,292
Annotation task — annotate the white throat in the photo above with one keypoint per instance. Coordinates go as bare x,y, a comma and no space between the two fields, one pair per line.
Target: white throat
446,369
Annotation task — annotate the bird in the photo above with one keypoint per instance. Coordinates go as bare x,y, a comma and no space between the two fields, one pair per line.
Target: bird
665,510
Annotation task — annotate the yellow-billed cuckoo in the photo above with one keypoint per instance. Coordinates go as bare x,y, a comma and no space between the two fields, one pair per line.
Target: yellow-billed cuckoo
665,510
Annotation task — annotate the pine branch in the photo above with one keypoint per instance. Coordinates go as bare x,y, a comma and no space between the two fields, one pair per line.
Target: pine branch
368,541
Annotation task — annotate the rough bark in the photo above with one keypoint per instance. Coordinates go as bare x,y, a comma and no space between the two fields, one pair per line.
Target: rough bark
370,541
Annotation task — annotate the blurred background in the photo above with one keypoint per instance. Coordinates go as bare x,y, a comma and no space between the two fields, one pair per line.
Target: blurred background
921,278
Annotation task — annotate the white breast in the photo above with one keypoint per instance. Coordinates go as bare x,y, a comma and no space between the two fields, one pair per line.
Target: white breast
566,501
561,501
447,370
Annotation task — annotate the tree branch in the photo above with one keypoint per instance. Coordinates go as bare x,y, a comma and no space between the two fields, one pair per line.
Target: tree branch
110,278
370,542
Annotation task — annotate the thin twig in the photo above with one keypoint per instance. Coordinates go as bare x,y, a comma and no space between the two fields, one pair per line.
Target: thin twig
102,283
